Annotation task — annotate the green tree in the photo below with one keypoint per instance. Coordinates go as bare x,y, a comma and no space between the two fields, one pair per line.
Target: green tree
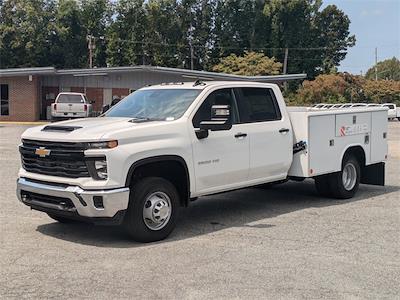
69,47
126,35
317,40
195,22
250,64
387,69
96,17
239,25
25,33
292,27
333,27
163,33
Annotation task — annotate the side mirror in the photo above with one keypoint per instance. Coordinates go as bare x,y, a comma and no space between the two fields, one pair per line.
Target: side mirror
92,101
220,119
105,108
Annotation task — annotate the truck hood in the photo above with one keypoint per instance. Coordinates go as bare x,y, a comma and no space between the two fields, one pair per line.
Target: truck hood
90,129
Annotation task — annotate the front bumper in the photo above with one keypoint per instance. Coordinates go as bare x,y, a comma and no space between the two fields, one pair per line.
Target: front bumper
74,202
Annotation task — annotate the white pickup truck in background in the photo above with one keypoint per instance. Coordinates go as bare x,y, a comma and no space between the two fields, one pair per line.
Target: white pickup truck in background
392,111
71,105
165,145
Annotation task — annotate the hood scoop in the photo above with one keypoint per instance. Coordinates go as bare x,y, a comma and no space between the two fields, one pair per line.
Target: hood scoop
60,128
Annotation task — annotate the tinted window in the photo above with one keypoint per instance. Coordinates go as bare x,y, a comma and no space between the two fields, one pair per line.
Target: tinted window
219,97
390,106
4,101
257,105
158,104
69,98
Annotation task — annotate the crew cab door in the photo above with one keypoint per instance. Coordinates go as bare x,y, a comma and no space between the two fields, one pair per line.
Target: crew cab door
221,160
267,125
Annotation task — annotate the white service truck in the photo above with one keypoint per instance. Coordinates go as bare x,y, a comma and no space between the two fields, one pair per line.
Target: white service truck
69,105
165,145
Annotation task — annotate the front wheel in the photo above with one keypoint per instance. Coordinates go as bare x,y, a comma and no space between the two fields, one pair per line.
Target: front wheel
152,210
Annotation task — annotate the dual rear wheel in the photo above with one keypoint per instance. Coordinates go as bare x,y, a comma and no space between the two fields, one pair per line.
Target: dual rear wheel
343,184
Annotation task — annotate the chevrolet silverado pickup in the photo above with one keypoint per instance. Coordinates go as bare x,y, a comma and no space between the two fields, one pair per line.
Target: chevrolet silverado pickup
71,105
166,145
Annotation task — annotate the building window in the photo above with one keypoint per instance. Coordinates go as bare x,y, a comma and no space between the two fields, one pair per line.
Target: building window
4,100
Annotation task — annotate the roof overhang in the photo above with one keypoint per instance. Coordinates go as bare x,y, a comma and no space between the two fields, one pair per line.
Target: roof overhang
185,73
27,71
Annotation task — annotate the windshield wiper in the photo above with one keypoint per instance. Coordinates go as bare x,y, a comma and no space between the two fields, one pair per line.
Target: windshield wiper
143,119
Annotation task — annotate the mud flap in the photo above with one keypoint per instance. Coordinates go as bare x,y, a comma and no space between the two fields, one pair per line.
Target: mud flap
373,174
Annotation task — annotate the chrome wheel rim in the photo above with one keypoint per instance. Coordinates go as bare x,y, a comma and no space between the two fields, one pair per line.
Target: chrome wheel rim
157,210
349,176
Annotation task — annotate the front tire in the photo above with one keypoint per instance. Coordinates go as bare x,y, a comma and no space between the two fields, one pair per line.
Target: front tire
152,210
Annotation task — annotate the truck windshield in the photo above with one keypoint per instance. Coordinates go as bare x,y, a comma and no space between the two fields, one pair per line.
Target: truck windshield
157,104
66,98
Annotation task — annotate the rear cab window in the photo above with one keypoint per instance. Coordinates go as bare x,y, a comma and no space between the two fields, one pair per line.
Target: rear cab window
70,98
257,105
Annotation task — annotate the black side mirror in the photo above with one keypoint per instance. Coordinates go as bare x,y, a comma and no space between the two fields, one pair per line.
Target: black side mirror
105,108
220,120
92,101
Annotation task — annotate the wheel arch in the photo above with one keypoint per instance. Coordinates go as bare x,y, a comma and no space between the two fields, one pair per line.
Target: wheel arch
159,164
358,152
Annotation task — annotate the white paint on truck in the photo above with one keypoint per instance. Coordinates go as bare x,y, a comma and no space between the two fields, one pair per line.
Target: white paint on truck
166,144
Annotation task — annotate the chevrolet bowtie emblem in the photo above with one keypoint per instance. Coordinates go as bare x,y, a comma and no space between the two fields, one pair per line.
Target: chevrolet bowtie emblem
42,152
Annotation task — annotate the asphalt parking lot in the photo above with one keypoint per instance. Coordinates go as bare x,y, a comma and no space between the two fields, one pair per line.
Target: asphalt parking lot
285,242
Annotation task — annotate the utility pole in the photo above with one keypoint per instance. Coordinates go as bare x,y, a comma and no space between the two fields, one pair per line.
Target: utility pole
285,60
376,62
191,57
91,47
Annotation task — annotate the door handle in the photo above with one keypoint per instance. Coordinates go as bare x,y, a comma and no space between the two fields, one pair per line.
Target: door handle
284,130
240,134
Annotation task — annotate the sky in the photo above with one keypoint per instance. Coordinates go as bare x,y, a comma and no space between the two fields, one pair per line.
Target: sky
375,23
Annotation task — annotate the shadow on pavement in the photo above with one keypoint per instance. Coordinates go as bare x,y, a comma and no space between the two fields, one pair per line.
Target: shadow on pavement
217,212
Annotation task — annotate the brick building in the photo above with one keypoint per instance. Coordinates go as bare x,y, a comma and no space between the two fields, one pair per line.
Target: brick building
27,93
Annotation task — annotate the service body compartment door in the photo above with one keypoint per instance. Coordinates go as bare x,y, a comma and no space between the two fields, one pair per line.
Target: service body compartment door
322,153
379,147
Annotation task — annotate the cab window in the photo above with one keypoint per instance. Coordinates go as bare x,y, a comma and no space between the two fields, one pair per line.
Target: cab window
257,105
219,97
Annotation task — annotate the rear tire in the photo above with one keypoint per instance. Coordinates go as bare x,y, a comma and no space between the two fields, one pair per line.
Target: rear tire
152,210
60,219
344,184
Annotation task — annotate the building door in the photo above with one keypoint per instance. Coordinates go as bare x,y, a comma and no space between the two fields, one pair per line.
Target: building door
107,96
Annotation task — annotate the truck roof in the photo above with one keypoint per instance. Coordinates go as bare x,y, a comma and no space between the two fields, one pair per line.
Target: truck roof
71,93
203,84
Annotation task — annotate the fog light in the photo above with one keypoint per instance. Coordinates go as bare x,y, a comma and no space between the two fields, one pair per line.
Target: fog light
98,201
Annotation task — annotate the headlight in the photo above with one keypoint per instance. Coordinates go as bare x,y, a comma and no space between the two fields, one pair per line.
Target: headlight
97,168
100,167
103,145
